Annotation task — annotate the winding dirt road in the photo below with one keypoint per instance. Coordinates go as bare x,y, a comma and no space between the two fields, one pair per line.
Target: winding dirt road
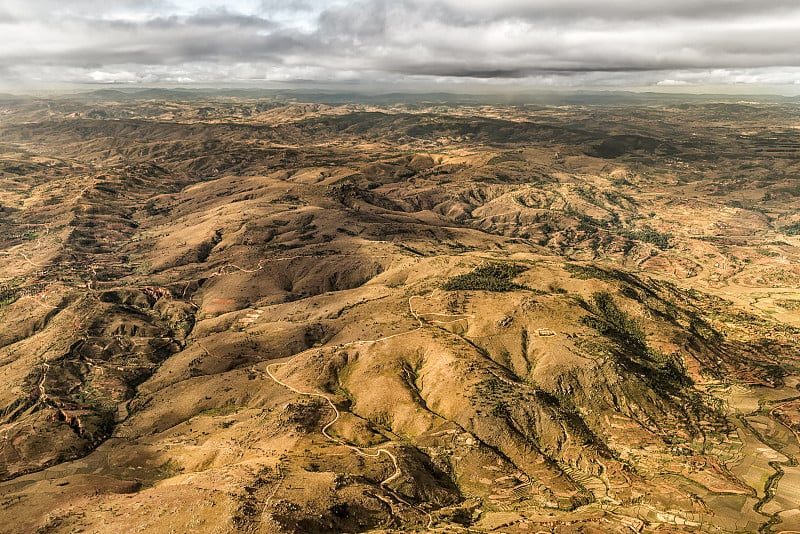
333,421
358,450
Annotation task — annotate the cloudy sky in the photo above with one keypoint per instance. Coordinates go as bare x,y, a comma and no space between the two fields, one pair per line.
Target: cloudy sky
656,44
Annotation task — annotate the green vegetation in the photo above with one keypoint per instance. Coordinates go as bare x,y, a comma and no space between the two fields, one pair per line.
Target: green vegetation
767,252
554,287
650,235
8,295
221,411
791,229
746,205
505,157
664,372
788,304
610,320
585,272
702,328
489,277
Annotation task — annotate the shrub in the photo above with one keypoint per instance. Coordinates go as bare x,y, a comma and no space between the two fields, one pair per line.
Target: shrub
489,277
614,321
664,372
649,235
585,272
792,229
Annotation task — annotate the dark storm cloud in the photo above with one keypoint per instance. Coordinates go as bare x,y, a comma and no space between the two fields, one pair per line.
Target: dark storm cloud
217,19
558,41
611,10
358,21
161,40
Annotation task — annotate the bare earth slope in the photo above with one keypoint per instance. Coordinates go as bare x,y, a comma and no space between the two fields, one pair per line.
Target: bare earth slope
233,315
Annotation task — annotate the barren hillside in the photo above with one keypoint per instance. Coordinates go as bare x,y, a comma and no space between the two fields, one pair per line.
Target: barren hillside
248,315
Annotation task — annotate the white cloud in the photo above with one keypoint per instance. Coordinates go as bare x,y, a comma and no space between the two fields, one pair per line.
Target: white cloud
672,83
555,42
